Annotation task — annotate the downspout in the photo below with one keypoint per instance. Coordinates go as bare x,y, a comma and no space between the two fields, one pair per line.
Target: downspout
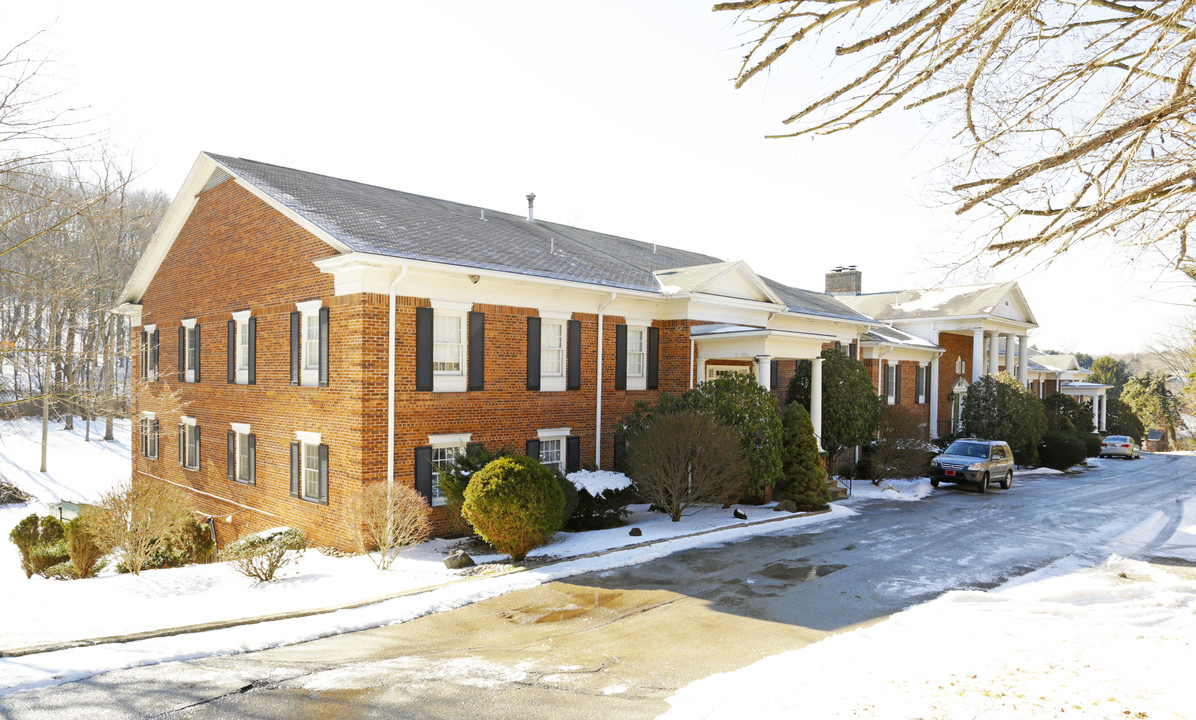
598,404
390,383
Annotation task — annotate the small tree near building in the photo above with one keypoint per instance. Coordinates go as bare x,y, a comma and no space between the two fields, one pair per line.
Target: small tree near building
741,404
682,460
998,407
1121,420
1059,407
139,518
805,478
850,404
1148,397
390,518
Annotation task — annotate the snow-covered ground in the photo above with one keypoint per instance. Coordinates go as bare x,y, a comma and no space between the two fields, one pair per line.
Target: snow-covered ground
49,610
1068,641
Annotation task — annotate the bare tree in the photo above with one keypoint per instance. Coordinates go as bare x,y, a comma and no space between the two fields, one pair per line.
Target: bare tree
390,518
138,517
681,460
1076,118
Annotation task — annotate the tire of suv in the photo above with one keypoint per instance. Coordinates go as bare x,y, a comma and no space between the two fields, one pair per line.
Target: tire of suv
1008,481
983,487
934,482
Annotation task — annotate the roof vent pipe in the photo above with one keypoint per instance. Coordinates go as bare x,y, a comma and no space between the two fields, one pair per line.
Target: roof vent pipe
483,213
531,216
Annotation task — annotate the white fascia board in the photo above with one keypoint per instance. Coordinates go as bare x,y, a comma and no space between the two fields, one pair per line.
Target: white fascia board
896,351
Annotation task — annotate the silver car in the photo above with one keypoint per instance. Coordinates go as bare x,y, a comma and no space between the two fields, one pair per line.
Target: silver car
1120,446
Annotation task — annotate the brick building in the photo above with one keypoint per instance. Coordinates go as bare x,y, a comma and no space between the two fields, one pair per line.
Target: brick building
303,335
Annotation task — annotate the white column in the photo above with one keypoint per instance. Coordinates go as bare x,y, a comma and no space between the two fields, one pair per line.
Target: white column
816,399
1104,411
701,370
934,397
1023,360
977,353
994,342
764,371
1096,411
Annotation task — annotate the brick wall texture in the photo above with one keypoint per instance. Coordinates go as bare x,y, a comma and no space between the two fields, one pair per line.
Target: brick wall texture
236,253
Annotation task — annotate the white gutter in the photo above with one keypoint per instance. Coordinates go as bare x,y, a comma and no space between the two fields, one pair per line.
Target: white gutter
390,383
598,405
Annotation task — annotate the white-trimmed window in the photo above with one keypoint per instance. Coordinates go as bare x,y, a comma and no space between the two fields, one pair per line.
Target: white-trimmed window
922,381
890,383
552,448
149,353
242,460
445,451
553,355
189,443
190,350
637,357
309,342
241,332
309,470
149,436
450,356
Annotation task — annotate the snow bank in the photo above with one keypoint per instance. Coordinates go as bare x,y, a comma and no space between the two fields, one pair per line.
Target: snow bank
597,481
898,489
1110,641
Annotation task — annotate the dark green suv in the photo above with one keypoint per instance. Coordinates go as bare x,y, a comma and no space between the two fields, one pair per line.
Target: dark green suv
975,461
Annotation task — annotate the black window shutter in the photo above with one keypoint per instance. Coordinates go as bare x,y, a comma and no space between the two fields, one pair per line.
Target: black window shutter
195,352
572,454
144,425
323,457
252,351
653,358
232,455
533,353
252,459
232,351
182,444
532,449
144,354
620,452
198,448
473,448
296,318
295,450
477,351
897,383
424,318
620,357
774,373
154,352
574,359
182,353
423,471
323,378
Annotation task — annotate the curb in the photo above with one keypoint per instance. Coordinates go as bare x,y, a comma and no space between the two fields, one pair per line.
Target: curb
254,620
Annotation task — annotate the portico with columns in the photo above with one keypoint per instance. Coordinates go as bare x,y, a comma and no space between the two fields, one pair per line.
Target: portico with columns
978,330
724,348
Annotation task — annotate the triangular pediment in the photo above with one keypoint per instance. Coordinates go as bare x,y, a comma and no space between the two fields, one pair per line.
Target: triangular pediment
727,279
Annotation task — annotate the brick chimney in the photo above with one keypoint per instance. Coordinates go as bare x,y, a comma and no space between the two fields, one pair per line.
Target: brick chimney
844,281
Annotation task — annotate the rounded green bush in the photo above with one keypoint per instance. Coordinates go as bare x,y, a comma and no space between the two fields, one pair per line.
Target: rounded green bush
1060,449
1091,444
515,504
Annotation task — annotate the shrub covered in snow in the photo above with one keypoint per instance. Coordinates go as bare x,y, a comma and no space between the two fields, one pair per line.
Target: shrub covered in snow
515,504
603,497
262,555
41,542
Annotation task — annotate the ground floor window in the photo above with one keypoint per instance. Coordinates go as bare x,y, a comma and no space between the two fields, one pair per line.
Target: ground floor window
149,437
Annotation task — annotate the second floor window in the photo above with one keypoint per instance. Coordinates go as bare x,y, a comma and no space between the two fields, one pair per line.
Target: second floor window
552,349
448,344
311,342
635,352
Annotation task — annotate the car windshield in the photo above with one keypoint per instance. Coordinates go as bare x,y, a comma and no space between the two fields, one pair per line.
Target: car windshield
968,449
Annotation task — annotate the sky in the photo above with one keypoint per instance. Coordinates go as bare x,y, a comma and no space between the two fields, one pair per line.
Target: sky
620,116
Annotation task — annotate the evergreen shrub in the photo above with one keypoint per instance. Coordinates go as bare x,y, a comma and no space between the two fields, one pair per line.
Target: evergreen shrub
86,555
41,543
804,477
515,504
1060,449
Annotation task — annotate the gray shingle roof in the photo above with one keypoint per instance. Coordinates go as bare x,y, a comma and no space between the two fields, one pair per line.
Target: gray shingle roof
371,219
